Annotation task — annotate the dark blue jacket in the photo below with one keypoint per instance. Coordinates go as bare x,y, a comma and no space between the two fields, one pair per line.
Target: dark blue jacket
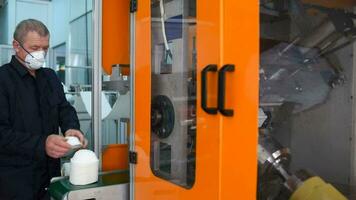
21,150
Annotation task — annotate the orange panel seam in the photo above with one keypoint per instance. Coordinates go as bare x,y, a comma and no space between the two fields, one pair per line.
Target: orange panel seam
221,50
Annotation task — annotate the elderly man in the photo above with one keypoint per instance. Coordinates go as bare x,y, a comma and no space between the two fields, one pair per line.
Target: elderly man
32,108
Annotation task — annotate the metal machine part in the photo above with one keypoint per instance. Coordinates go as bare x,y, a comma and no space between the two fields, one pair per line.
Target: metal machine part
293,71
277,182
274,178
119,79
273,164
172,135
162,116
286,79
271,154
305,53
121,86
302,67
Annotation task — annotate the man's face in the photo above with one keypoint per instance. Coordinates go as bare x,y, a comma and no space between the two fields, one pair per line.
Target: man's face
32,42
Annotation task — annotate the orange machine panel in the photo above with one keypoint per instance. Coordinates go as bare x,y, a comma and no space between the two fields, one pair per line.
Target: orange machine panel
226,154
115,157
239,133
115,35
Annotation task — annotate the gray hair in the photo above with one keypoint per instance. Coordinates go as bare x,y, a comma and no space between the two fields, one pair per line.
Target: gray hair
29,25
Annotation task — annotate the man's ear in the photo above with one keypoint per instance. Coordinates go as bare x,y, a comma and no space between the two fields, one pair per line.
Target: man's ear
16,46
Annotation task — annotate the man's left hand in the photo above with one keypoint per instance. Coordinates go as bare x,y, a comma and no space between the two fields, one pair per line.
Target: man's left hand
78,134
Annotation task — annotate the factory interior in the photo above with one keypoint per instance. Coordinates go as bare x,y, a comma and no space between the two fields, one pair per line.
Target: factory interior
197,99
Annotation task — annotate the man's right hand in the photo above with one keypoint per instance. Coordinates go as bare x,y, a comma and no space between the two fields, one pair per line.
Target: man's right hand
56,146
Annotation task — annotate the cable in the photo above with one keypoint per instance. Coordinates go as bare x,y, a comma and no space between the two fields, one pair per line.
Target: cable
168,50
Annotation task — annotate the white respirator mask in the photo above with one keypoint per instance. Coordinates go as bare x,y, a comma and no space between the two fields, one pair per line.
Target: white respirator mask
35,60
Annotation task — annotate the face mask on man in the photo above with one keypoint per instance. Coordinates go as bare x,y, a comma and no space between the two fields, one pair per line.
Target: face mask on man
34,60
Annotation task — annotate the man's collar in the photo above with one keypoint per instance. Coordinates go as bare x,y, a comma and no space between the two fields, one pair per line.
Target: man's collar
20,68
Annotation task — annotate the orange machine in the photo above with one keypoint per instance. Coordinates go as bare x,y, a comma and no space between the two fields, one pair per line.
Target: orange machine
222,149
200,83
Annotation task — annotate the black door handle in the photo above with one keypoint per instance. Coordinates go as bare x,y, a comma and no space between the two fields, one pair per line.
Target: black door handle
204,98
222,88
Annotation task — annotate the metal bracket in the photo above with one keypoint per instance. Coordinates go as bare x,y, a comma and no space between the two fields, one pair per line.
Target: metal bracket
133,157
133,6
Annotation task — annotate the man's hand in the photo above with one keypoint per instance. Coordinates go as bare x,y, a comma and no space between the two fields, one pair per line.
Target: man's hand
56,146
78,134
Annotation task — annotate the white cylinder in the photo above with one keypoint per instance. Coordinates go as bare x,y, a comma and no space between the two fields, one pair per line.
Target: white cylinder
84,167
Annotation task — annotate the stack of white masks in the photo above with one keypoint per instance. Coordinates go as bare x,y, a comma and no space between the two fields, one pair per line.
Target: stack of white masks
84,167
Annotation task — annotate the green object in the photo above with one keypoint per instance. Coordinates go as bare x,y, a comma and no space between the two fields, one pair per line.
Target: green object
60,188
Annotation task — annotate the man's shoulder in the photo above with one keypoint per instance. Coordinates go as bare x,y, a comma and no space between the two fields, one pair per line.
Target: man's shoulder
51,76
4,70
6,80
5,67
49,71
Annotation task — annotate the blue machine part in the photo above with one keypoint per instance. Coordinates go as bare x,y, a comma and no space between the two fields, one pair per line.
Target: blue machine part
174,27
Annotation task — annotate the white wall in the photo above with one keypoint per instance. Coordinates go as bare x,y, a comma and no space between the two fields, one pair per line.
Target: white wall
39,10
18,10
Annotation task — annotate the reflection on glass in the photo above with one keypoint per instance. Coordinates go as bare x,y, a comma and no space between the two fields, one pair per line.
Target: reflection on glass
6,52
78,80
80,58
173,90
59,58
306,65
77,70
116,119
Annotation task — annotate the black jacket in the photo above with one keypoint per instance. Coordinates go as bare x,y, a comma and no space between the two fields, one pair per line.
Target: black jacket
22,151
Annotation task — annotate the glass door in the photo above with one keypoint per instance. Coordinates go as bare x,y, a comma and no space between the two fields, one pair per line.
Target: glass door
169,121
173,91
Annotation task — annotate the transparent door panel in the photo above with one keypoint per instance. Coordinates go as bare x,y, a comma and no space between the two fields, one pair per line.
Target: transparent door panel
115,114
77,71
307,77
173,91
114,95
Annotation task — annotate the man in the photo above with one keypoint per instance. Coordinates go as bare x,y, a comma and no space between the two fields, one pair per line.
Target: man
32,108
